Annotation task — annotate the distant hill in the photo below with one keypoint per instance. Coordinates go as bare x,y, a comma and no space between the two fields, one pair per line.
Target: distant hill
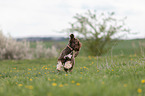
53,39
42,39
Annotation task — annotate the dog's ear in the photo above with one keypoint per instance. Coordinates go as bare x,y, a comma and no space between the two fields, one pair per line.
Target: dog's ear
71,36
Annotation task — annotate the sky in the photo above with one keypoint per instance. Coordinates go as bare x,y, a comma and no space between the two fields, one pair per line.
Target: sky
26,18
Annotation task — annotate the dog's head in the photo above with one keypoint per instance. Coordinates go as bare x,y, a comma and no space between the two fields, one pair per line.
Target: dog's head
74,43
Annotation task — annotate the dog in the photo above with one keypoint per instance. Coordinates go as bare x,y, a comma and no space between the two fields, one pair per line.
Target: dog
68,54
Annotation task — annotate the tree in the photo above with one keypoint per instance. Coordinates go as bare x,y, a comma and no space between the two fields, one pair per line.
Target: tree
99,31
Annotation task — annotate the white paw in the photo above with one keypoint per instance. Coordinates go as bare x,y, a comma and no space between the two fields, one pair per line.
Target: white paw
68,65
59,65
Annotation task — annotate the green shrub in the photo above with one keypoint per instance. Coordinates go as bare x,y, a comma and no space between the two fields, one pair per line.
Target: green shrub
97,31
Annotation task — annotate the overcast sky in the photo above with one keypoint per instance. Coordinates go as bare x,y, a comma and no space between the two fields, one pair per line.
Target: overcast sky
22,18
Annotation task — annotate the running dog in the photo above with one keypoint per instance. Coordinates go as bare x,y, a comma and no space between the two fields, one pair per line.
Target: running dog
68,54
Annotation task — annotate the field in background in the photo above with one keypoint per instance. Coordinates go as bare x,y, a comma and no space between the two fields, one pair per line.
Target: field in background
123,47
128,47
119,74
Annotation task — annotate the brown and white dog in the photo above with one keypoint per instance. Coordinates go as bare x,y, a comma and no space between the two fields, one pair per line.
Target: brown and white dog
68,54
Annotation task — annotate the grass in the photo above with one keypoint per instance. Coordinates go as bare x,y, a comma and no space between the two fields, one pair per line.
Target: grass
92,76
127,47
120,74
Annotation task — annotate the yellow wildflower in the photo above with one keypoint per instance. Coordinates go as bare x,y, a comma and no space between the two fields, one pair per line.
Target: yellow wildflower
30,79
49,79
72,81
139,90
60,85
29,69
125,85
46,68
43,67
142,81
29,87
112,70
85,67
89,57
66,74
54,84
78,84
20,85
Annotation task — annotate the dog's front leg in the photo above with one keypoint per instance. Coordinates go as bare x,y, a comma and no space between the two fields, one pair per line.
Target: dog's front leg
73,63
59,65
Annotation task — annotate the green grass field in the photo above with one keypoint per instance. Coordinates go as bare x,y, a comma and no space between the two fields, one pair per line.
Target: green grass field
119,74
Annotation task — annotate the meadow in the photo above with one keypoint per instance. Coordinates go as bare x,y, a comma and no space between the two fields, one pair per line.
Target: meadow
120,72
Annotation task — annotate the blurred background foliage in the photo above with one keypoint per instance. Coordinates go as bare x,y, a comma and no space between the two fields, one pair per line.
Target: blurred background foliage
100,35
99,31
13,49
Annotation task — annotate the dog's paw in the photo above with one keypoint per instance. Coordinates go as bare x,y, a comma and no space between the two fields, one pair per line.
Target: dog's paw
68,65
59,66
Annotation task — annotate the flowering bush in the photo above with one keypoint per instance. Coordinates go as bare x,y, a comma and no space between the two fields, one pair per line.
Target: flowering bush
12,49
41,51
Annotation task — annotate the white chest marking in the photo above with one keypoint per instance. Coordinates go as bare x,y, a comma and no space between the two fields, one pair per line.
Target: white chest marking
69,56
